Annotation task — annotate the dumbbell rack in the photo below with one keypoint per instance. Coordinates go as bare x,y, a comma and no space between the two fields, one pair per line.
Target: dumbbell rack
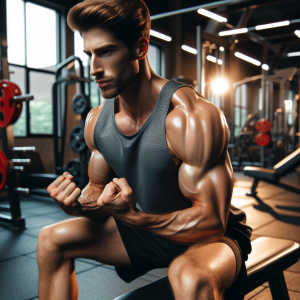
15,221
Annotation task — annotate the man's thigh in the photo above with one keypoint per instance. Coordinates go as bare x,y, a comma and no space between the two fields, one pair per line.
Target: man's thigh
214,262
82,237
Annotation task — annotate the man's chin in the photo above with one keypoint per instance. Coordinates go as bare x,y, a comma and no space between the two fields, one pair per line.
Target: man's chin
109,93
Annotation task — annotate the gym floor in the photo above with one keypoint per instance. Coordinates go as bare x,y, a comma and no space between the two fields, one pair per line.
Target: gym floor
275,213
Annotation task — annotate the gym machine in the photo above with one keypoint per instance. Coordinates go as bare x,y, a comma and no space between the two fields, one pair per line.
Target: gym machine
11,104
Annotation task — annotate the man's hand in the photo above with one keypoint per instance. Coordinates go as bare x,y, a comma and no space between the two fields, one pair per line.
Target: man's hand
65,193
118,197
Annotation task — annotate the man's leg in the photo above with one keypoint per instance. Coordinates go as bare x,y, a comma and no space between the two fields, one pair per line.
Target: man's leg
60,243
203,272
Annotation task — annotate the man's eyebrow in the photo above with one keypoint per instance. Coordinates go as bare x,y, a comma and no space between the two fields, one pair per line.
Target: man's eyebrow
101,48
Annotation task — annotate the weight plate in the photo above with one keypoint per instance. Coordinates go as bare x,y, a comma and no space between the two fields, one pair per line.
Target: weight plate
78,170
80,104
76,139
8,109
19,106
4,170
262,139
262,125
244,140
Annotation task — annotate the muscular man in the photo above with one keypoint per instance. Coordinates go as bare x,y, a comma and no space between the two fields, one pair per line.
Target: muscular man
160,175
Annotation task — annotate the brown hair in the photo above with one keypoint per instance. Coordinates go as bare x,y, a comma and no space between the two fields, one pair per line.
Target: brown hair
127,19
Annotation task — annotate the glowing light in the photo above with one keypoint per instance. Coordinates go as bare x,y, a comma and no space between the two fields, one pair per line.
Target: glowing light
233,31
247,58
189,49
219,86
288,104
265,67
221,49
272,25
160,35
291,54
297,32
214,59
211,15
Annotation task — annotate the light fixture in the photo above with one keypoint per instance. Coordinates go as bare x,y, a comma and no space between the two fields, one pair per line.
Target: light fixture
219,86
211,15
297,32
265,67
221,49
189,49
160,35
247,58
272,25
291,54
233,31
214,59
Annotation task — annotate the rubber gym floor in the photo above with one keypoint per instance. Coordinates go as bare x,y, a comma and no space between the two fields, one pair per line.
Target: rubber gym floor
275,212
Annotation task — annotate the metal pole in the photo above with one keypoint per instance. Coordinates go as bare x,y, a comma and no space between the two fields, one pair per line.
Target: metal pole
199,58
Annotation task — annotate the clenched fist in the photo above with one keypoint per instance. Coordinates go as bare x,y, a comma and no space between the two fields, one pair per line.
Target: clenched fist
65,193
118,197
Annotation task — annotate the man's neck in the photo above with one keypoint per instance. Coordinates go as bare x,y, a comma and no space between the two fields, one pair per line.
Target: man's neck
139,99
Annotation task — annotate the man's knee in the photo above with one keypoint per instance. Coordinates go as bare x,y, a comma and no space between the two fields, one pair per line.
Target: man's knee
188,279
50,241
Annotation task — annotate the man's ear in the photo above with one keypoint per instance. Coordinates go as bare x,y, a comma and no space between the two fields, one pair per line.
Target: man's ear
141,48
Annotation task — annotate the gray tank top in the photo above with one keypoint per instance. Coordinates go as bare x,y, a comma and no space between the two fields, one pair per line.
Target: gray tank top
145,161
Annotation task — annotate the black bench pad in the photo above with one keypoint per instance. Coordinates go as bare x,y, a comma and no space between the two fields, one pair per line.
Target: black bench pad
268,257
261,173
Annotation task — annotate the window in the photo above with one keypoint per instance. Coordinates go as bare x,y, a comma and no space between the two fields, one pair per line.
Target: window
154,58
240,108
33,53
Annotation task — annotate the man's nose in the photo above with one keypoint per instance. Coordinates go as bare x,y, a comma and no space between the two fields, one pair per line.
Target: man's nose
96,68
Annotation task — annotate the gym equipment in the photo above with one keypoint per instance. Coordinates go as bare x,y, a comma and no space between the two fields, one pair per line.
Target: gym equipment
262,139
77,142
262,125
4,170
10,102
287,165
80,104
78,170
267,261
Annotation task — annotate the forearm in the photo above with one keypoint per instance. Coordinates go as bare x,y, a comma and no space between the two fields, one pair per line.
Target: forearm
88,203
189,226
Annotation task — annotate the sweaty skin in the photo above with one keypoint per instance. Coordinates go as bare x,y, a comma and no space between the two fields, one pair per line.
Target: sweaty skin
197,138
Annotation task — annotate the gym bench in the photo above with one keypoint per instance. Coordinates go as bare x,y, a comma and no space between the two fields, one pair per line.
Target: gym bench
284,167
267,261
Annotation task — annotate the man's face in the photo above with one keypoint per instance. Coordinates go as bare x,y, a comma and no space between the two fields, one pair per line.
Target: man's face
112,64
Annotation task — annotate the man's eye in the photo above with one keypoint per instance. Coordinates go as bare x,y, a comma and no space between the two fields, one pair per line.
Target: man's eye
105,52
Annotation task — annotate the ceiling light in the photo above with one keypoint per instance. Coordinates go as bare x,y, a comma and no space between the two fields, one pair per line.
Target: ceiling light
214,59
272,25
160,35
211,15
234,31
189,49
291,54
297,32
247,58
221,48
265,67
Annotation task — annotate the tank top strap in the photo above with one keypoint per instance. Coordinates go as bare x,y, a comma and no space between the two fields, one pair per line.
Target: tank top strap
166,95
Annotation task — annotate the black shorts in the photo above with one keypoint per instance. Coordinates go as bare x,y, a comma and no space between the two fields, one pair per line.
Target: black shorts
148,251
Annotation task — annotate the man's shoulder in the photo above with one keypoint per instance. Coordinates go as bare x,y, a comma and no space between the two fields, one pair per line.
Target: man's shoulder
187,104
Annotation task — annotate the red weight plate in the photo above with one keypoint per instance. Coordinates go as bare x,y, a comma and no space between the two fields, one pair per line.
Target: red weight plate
262,139
4,170
262,125
7,108
19,105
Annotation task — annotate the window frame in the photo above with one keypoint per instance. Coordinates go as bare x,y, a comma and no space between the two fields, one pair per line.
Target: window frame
60,46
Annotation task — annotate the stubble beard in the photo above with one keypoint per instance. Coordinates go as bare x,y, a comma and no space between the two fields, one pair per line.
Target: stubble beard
128,77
